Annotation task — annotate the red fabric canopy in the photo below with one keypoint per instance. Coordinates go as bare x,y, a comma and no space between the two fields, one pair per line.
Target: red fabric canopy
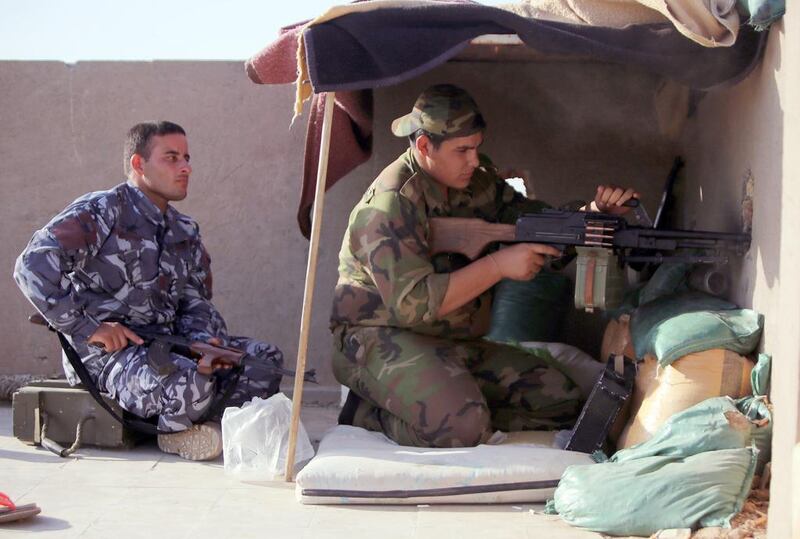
351,128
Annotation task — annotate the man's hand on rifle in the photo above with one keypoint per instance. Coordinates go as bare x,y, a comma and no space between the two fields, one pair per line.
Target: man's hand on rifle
208,363
522,261
610,199
113,336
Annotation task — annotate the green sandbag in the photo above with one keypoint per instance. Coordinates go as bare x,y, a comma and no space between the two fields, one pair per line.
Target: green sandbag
672,326
755,408
738,330
761,13
530,310
669,278
695,471
703,427
642,496
759,376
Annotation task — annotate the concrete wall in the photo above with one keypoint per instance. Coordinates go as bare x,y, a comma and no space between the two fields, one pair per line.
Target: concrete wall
751,132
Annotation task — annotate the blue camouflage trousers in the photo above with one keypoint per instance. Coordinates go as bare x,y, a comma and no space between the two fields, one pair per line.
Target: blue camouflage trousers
182,397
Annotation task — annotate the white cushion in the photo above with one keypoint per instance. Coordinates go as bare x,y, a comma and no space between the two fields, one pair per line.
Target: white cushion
361,467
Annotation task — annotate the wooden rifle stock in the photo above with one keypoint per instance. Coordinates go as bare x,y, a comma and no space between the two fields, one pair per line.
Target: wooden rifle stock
467,236
211,357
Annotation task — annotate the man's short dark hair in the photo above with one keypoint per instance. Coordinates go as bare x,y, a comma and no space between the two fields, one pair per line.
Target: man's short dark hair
139,136
436,140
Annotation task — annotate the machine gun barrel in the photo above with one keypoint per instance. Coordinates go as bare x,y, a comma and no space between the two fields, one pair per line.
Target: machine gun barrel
562,228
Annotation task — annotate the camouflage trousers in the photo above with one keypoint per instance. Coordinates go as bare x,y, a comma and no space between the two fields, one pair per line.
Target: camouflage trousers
434,392
181,397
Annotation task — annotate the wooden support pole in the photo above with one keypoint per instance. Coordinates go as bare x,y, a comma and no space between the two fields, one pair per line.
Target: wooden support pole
311,277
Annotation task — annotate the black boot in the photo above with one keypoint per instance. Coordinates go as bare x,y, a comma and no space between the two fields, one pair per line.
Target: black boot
349,409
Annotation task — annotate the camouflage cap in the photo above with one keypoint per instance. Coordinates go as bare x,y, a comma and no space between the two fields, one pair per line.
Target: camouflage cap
443,109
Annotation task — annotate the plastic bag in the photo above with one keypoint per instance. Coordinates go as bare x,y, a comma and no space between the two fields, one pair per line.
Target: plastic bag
255,439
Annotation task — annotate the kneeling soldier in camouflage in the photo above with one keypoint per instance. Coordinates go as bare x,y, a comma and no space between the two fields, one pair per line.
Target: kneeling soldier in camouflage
407,325
120,260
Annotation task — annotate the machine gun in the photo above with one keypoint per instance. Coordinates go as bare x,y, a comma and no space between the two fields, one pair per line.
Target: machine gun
603,242
561,229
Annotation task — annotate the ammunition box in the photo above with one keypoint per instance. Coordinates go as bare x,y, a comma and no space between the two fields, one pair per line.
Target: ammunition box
63,407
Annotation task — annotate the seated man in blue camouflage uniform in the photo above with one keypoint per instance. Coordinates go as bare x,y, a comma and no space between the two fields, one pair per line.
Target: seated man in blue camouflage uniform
117,260
407,325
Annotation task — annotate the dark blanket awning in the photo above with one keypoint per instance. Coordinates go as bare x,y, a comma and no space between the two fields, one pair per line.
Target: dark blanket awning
359,51
386,46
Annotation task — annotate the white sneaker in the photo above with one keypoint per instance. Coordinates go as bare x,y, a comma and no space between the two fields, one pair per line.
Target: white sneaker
202,441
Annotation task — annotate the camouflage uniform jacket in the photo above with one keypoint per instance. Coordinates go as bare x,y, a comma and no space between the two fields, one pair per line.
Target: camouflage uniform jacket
386,274
113,256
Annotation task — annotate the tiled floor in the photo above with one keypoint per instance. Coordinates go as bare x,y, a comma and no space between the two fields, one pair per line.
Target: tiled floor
145,493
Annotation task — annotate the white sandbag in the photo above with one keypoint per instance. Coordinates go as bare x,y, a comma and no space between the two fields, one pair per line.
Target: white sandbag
355,466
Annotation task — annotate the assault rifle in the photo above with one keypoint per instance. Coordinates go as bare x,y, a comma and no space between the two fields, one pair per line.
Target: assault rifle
210,357
561,229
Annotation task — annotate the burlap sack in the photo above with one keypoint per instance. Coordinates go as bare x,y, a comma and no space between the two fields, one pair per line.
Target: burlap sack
660,393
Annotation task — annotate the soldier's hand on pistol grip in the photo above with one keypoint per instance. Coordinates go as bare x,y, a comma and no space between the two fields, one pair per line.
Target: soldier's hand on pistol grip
113,336
522,261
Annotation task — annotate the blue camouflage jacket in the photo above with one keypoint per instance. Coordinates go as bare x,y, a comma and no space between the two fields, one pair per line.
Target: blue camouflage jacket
113,256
